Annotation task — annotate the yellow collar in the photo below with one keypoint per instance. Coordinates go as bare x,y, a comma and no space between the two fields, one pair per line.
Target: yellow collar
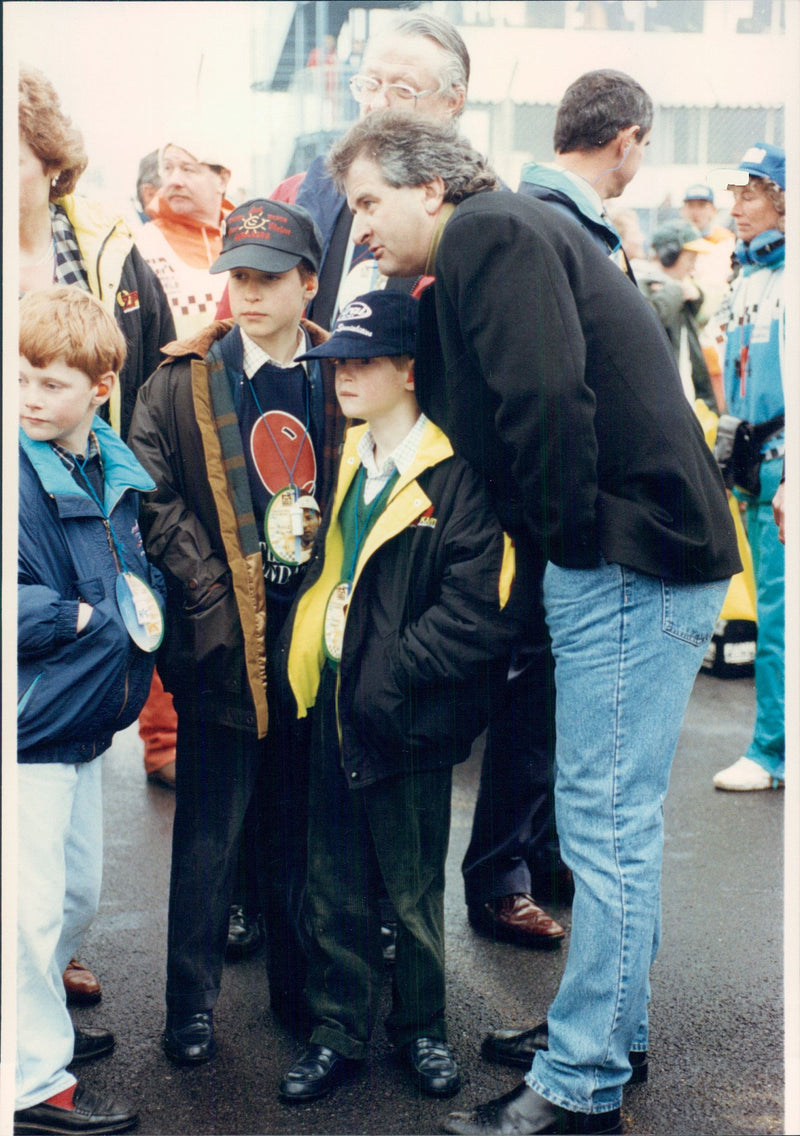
444,216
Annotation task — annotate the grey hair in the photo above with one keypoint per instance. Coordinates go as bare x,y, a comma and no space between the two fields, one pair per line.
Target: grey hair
447,36
412,150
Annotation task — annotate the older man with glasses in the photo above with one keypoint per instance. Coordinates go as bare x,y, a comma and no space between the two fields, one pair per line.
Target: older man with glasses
419,64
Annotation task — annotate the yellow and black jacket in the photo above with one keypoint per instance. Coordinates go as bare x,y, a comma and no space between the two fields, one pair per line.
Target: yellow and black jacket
426,633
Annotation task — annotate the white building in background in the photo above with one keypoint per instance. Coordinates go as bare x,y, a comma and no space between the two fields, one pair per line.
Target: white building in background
719,73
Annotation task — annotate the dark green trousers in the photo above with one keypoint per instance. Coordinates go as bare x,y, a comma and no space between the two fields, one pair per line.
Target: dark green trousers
396,830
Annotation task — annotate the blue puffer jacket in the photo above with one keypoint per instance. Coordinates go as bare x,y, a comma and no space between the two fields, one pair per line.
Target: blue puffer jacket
76,690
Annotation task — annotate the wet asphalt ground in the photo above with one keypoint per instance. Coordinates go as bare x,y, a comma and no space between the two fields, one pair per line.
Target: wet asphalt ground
716,1057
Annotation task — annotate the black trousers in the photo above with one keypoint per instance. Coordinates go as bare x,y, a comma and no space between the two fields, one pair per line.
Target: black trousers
395,831
224,775
220,771
514,840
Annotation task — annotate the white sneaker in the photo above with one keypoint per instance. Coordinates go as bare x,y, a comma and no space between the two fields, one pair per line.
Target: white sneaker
746,774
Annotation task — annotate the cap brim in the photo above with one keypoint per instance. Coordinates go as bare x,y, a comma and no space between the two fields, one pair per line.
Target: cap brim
724,178
349,346
257,258
697,246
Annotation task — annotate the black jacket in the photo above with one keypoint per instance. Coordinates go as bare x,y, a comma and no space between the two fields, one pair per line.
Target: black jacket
553,377
426,634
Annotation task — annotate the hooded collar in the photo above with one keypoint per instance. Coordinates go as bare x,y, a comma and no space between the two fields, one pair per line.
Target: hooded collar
159,210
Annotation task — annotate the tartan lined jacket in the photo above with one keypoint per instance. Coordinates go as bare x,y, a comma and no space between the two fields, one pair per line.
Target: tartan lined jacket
199,528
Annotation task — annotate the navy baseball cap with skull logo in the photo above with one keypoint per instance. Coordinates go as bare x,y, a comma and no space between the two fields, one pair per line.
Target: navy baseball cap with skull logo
268,236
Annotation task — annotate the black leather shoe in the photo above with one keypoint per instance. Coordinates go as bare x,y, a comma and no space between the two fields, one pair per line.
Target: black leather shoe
189,1038
91,1043
318,1072
522,1112
519,1047
433,1066
90,1113
244,934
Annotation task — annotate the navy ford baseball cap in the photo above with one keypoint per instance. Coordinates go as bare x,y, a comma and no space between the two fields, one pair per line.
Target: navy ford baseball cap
371,326
268,236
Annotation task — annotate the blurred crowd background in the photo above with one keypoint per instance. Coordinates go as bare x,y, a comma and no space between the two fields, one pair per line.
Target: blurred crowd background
273,78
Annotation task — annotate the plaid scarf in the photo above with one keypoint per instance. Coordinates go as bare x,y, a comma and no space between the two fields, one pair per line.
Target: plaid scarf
70,268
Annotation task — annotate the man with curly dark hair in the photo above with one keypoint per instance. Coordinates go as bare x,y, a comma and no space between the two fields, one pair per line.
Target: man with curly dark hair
530,342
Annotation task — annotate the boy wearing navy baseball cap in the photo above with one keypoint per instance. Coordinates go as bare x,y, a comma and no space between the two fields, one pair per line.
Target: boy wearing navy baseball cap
395,639
241,437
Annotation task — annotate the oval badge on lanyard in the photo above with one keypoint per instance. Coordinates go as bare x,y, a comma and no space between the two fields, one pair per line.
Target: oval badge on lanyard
290,525
335,619
141,612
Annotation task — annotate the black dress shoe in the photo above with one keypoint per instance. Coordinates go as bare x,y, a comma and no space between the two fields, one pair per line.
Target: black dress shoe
519,1047
318,1072
433,1066
244,934
91,1043
522,1112
189,1038
90,1113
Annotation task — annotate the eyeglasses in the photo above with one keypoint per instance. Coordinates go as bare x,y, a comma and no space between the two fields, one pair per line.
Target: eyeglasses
362,86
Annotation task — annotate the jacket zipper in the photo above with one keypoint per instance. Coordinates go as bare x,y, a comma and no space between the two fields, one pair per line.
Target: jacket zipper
336,706
127,692
100,252
110,540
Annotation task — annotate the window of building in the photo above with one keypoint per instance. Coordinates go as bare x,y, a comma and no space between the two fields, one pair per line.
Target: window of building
533,129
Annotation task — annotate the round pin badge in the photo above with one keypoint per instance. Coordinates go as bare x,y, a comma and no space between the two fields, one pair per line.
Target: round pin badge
141,612
290,525
335,619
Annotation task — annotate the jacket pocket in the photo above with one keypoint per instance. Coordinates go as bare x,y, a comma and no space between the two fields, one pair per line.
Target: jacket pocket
79,690
91,591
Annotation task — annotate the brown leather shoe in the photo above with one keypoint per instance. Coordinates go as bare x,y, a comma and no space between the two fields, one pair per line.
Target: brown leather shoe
81,986
516,919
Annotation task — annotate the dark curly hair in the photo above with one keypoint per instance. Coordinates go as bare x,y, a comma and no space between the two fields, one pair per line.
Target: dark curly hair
50,134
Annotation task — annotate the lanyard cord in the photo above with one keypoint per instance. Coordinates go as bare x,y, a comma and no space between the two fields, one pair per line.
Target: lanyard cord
360,537
96,499
761,305
265,420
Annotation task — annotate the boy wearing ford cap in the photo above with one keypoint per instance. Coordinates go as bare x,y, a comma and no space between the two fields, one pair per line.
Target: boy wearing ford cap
394,641
237,433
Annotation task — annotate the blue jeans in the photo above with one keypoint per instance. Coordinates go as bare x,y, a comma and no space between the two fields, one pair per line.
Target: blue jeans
60,867
627,649
769,739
